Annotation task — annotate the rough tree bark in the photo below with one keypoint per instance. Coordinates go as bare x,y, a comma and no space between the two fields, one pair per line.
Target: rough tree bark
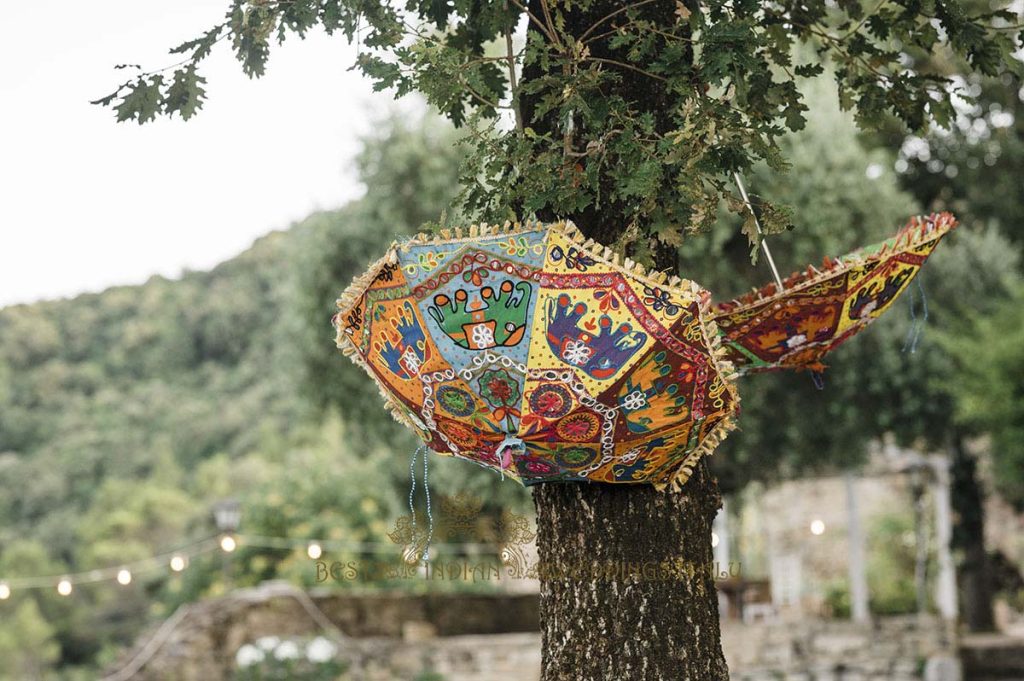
608,610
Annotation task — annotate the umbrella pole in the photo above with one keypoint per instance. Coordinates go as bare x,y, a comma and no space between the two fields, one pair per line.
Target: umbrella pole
757,224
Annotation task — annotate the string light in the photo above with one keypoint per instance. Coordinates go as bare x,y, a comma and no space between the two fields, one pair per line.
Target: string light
180,559
714,539
817,527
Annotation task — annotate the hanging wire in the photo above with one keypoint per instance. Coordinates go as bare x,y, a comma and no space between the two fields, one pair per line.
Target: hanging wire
818,378
161,562
913,323
916,324
757,225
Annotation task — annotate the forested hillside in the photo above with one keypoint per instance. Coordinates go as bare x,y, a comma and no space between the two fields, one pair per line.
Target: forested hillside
126,414
140,381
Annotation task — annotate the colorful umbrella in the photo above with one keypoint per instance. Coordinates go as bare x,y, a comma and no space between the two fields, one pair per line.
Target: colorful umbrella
819,309
534,352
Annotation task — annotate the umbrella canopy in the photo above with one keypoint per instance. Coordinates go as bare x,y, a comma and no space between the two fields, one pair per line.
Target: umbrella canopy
535,352
532,351
819,309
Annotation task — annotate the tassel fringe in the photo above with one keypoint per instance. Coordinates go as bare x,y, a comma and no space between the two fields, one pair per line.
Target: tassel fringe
917,231
685,289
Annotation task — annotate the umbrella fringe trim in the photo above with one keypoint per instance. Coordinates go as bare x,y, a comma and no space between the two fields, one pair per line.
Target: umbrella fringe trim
727,371
610,257
716,351
345,304
917,231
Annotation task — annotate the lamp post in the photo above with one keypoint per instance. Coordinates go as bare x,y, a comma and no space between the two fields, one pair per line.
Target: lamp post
946,579
227,516
860,610
933,471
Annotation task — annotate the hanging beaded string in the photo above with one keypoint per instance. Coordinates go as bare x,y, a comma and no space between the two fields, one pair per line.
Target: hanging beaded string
412,493
430,515
412,489
916,325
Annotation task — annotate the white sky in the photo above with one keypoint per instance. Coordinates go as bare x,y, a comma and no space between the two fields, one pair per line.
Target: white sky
86,203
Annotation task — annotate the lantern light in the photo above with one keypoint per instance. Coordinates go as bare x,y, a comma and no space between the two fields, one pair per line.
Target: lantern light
124,577
178,563
228,543
227,515
817,527
314,550
64,587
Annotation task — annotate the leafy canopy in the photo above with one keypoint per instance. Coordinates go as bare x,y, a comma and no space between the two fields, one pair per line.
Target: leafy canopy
991,395
723,76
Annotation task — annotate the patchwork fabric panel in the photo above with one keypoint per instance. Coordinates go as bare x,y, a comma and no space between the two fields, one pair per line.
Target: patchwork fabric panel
819,309
532,351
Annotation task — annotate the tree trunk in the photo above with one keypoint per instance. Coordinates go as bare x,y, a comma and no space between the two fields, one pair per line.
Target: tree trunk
627,582
976,585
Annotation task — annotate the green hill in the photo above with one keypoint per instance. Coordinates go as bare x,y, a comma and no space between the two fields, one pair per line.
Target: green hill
125,415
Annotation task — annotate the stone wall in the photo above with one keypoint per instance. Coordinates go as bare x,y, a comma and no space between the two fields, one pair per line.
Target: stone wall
889,649
383,637
462,637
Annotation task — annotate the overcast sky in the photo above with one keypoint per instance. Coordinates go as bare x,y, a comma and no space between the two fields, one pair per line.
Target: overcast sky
86,203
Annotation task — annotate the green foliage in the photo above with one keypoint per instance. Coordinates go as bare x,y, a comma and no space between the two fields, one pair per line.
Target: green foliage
837,599
891,559
429,676
27,645
718,80
410,174
991,391
874,385
971,166
890,571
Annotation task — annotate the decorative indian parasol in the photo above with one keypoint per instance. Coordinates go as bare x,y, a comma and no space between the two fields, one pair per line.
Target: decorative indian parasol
819,309
532,351
535,352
